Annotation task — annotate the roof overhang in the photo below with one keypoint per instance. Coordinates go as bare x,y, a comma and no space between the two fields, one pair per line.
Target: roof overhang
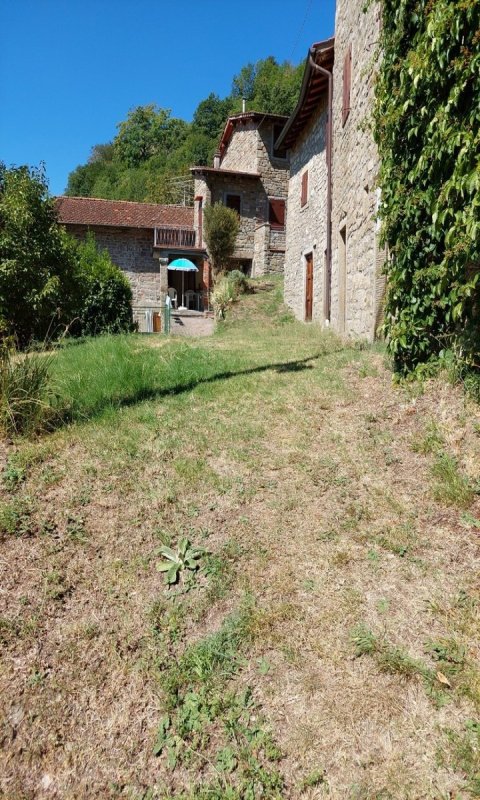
242,119
314,85
219,171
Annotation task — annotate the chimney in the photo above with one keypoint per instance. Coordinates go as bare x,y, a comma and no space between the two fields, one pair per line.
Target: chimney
244,104
216,160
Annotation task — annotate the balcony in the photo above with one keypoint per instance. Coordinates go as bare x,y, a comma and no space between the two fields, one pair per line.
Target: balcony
173,236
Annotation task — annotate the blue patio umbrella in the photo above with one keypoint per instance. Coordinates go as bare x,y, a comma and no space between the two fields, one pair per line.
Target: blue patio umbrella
183,265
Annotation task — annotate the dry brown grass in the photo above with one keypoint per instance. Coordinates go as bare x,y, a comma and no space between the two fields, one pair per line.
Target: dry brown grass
317,479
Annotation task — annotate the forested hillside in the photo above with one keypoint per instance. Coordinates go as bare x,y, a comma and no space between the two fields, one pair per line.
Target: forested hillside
150,156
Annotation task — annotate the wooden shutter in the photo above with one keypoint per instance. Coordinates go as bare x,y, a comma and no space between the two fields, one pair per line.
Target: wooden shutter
276,213
347,84
304,197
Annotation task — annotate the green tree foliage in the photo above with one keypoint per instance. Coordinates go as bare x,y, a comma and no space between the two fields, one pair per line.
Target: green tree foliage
211,114
36,269
276,86
48,281
147,131
427,126
221,225
151,147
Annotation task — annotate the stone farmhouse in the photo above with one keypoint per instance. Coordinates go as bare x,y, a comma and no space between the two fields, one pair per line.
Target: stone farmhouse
333,262
304,188
250,175
142,238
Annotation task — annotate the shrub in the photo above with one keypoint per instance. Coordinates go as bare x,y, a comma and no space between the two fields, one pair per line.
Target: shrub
223,295
220,232
238,280
105,295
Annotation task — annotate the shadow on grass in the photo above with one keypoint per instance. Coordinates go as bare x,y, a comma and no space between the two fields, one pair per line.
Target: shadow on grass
66,416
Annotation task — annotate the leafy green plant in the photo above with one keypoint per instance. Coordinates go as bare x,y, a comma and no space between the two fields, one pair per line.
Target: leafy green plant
185,558
238,279
221,226
427,127
223,296
15,518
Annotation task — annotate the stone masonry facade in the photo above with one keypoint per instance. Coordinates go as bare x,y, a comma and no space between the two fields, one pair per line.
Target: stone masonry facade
248,167
357,282
131,249
307,224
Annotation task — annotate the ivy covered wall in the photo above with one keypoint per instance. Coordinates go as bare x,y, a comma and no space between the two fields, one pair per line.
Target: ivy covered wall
427,128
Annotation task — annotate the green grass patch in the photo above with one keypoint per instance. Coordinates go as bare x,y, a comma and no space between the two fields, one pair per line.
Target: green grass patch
452,487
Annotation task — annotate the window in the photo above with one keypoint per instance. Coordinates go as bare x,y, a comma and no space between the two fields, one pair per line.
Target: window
276,213
281,153
304,196
347,80
233,201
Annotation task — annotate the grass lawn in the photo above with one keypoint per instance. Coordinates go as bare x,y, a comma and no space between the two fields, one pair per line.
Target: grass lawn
322,640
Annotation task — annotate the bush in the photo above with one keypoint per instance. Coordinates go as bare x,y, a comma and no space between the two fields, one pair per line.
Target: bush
221,226
105,296
223,295
238,280
36,266
24,391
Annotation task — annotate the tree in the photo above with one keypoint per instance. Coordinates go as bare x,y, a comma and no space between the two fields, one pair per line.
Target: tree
47,279
146,131
243,84
220,231
210,115
276,86
37,271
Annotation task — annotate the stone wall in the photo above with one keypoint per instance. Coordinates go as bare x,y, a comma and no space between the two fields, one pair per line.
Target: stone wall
250,150
252,199
131,249
274,171
307,225
241,152
355,168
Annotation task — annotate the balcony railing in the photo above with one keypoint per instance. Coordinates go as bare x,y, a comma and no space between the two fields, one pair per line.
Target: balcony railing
174,237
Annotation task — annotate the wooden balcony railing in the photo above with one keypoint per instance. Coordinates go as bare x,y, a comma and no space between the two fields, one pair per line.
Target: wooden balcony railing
174,237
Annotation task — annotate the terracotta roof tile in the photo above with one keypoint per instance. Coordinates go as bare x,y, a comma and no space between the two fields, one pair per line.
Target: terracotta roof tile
121,213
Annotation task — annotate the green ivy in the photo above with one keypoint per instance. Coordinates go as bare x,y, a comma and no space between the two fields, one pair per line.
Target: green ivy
427,127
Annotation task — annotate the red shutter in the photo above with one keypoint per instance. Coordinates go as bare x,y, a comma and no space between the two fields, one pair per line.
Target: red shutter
347,82
276,213
304,197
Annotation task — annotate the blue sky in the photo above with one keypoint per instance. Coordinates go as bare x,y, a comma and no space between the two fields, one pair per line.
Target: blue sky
71,69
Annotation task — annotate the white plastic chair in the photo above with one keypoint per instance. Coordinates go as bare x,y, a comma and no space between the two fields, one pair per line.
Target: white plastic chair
172,293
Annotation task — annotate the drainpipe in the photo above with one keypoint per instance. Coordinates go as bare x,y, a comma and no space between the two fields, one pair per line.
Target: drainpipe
328,252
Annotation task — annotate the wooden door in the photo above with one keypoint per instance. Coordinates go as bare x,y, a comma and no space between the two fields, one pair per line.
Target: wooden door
309,287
